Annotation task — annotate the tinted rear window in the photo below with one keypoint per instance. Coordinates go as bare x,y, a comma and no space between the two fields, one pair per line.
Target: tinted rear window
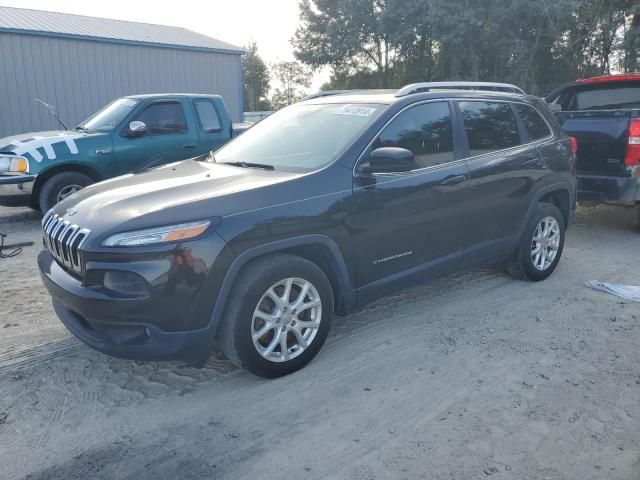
207,115
536,126
490,126
608,98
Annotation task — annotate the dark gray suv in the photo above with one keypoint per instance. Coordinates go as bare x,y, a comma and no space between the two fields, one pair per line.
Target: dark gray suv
316,210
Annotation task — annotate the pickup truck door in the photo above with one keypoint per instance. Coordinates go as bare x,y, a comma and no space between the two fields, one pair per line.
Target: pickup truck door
171,135
214,125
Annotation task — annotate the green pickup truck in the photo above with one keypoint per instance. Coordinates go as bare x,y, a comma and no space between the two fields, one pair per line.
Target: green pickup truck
128,135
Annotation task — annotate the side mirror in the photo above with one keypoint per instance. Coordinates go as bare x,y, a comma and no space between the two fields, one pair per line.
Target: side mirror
390,160
137,128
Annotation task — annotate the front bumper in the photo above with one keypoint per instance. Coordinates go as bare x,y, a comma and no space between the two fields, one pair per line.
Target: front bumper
133,328
16,190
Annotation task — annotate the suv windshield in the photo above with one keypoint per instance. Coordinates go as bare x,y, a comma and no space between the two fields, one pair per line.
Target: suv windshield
110,116
301,137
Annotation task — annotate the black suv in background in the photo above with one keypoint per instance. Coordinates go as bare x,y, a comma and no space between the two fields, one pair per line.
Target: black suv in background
318,209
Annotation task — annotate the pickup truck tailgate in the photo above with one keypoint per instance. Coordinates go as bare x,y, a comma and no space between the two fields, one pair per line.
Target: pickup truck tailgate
602,140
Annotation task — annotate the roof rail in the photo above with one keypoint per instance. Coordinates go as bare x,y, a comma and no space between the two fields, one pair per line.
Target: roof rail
427,86
326,93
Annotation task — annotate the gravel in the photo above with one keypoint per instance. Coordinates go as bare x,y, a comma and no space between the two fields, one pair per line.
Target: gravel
473,375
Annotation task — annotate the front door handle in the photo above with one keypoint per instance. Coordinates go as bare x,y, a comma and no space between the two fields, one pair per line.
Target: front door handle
453,180
189,145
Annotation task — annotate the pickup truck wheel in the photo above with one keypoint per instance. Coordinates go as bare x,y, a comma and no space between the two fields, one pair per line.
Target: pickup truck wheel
278,315
60,186
541,245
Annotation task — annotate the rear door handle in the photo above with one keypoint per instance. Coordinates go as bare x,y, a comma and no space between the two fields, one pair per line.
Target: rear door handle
534,162
189,145
453,180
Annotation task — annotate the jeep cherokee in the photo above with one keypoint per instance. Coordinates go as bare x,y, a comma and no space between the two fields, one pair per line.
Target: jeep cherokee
318,209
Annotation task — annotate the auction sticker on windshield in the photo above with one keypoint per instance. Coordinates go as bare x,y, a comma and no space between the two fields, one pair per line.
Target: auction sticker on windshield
356,110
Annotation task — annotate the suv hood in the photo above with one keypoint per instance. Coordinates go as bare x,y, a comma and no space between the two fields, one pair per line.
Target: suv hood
174,193
41,146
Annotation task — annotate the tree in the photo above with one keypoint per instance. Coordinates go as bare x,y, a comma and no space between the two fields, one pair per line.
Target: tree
536,44
256,81
293,78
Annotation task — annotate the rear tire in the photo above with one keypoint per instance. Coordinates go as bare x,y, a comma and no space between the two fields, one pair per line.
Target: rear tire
61,185
268,331
541,245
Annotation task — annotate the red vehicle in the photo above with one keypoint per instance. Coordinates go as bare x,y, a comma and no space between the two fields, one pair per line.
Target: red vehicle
603,114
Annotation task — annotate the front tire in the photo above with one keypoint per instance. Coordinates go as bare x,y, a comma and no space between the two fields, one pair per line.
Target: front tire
60,186
278,316
541,245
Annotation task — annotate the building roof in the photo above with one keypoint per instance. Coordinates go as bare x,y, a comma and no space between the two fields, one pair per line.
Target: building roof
39,22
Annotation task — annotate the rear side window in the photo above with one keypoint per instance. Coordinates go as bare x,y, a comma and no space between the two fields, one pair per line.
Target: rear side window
425,130
207,115
164,118
489,126
536,126
609,98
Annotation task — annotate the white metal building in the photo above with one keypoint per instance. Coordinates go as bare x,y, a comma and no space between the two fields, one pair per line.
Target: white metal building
80,63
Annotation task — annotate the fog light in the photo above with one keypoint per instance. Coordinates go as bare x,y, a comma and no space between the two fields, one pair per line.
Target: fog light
125,283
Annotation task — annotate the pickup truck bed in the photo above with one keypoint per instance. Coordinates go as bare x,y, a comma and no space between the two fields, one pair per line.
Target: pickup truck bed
601,114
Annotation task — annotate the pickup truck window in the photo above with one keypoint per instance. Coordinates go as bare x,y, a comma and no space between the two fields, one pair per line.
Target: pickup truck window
164,118
207,115
301,137
425,130
536,127
109,117
490,126
608,98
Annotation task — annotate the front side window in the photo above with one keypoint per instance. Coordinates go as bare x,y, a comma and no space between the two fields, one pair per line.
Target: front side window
110,116
536,127
425,130
164,118
490,126
207,115
301,137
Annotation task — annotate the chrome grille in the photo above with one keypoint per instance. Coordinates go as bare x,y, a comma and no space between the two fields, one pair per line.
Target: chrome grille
63,240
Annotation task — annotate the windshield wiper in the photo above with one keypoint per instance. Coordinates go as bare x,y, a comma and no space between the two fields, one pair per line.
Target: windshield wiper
249,165
82,129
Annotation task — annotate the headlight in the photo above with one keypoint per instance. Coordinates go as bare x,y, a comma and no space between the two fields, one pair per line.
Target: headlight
149,236
14,164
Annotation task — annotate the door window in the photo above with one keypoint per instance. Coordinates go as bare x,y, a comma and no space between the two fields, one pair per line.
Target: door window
536,127
490,126
425,130
207,115
164,118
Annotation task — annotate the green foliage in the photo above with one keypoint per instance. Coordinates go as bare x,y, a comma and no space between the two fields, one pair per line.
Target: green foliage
256,82
536,44
293,79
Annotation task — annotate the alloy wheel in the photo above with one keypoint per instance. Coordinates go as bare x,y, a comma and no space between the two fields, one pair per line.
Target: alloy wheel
286,320
545,243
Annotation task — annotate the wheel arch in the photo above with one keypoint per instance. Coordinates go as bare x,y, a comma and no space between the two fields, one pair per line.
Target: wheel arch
317,248
66,167
558,194
561,198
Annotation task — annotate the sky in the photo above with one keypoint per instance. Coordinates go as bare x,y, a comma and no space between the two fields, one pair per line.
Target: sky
271,23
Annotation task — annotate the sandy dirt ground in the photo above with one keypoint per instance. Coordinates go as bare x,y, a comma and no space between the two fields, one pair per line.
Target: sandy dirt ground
473,376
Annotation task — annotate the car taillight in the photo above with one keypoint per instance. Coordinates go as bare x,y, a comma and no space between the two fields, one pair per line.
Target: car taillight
633,147
574,145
